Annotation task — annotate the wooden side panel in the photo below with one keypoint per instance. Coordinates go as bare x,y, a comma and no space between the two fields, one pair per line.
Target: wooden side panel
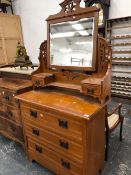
2,60
95,143
10,34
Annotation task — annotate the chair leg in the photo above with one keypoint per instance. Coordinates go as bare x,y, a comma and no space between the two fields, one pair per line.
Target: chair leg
121,128
11,8
4,10
107,146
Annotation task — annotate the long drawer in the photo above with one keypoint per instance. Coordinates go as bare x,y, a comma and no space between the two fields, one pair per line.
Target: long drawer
10,112
11,129
55,142
8,97
60,124
56,161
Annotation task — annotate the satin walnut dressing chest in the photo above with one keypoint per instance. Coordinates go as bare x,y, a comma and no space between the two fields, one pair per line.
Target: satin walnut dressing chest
64,115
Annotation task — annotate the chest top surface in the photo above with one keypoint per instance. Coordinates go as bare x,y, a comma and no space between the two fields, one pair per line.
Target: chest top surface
14,84
62,101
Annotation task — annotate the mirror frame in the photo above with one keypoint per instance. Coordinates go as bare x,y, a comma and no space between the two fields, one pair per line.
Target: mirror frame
79,13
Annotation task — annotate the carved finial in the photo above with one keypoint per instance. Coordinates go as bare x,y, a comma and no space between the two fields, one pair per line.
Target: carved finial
70,6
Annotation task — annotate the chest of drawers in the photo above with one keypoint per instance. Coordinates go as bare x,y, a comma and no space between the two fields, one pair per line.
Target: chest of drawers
63,132
10,118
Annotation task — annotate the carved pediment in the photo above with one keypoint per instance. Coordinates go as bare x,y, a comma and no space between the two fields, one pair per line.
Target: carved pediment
70,6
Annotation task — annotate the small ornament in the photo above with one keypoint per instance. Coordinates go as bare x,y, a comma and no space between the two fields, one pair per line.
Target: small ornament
22,59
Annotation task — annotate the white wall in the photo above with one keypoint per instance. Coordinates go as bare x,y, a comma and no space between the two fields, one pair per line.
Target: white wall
34,12
120,8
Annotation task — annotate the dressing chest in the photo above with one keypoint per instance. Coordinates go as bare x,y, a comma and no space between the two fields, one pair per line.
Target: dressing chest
64,115
63,132
12,82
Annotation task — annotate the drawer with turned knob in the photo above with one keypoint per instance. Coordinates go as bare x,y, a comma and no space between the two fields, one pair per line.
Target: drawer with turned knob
11,129
8,97
10,112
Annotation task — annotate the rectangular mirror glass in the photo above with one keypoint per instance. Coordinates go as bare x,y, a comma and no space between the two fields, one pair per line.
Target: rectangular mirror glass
71,43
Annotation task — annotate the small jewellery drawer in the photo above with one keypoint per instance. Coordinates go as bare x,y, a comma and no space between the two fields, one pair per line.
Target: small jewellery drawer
42,153
38,82
11,113
12,129
91,89
41,79
8,97
63,145
56,123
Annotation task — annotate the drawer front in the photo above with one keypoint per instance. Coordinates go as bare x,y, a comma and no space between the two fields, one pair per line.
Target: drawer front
37,82
11,129
10,113
91,89
8,97
65,146
56,123
42,79
45,153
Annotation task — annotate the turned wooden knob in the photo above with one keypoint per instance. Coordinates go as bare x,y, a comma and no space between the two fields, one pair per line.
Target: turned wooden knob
41,115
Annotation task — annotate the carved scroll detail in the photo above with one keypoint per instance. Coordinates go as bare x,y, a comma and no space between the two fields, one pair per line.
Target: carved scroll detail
70,6
43,56
43,51
71,76
104,54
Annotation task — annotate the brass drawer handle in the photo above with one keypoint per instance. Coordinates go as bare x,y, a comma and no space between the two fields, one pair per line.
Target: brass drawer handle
33,113
38,148
35,132
64,144
65,164
63,123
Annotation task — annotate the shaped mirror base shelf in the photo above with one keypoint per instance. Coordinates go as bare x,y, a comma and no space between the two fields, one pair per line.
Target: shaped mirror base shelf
91,86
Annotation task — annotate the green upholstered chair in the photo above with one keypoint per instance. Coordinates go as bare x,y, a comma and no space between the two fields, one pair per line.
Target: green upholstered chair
113,119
